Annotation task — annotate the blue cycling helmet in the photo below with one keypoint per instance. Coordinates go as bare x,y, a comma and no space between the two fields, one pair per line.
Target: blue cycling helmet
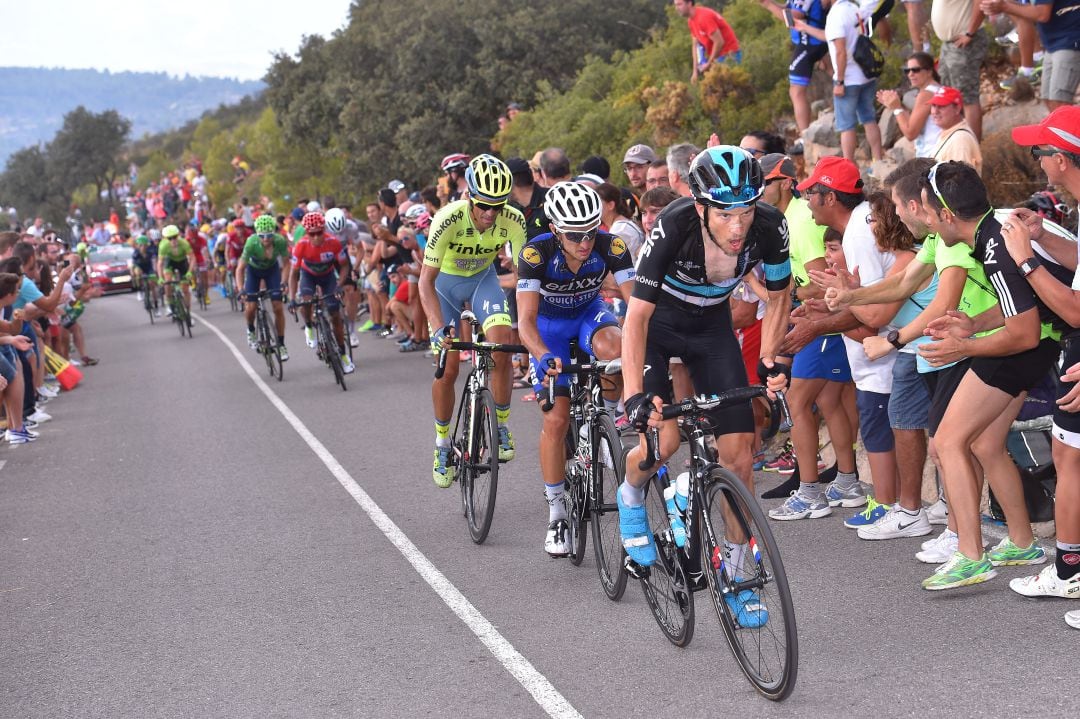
726,177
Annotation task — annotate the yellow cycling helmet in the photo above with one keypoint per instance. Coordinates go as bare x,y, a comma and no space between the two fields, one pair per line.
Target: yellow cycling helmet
170,231
488,179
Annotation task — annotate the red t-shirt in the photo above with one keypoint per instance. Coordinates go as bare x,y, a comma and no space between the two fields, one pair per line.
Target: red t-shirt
704,22
319,260
234,247
198,247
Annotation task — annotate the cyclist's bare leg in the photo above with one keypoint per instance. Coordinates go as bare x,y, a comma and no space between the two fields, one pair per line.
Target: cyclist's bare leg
501,378
735,453
552,444
442,389
1067,497
607,345
681,384
339,329
351,300
279,317
669,445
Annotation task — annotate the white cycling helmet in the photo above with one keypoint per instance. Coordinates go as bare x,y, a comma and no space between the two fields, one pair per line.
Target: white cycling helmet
314,206
335,220
414,211
573,207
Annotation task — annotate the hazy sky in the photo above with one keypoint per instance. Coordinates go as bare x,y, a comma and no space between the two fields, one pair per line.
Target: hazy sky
230,38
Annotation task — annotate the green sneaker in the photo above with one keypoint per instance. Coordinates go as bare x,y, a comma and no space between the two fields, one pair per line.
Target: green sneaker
506,444
367,326
1007,554
960,571
443,471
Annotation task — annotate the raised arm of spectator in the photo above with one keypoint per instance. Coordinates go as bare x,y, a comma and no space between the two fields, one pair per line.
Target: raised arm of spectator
48,304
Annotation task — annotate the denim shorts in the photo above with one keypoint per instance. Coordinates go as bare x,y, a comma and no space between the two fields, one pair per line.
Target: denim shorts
824,358
874,427
7,363
909,403
857,103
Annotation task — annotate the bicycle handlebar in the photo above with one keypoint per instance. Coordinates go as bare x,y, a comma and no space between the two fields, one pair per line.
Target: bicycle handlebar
452,344
696,405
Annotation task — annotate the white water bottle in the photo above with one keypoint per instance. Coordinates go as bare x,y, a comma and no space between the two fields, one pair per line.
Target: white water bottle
675,516
682,491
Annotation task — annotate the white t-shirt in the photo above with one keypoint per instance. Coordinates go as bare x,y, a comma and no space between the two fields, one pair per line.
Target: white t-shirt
629,232
843,22
861,251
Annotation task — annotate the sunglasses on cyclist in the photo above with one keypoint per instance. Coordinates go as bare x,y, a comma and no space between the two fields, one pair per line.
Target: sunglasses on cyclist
485,207
579,237
266,235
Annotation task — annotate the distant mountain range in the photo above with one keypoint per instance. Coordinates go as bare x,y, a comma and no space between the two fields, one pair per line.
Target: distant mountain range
33,101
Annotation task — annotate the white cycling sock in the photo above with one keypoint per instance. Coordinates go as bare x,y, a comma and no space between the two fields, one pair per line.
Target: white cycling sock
631,496
734,554
556,506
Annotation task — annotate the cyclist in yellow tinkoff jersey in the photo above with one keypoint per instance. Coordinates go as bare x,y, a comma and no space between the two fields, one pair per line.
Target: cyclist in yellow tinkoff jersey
466,237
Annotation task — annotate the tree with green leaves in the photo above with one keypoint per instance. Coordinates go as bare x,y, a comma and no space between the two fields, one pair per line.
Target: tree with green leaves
87,150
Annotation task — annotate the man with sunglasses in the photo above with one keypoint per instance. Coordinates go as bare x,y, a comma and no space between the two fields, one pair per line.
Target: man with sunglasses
265,254
465,239
697,254
560,274
1012,346
1055,144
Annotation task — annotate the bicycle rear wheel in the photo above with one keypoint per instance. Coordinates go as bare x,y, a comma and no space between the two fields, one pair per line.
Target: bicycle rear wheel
480,470
267,343
768,654
605,477
576,498
148,301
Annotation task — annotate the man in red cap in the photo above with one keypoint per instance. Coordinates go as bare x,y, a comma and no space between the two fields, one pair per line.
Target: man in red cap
957,141
835,194
1055,144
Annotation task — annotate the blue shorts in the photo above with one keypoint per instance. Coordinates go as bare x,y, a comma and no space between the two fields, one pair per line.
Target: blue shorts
308,283
874,427
824,358
271,276
732,58
481,291
558,332
909,403
857,103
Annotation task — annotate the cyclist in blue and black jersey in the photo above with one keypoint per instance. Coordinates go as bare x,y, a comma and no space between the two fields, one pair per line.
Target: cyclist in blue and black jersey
144,259
560,274
696,255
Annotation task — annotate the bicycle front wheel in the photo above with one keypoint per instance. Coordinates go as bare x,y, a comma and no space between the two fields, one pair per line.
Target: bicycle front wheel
480,470
605,477
748,585
665,583
330,351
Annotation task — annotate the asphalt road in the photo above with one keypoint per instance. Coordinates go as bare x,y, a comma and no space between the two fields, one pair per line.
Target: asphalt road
174,546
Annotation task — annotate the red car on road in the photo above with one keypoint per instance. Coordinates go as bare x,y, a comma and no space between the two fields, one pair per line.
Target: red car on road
110,268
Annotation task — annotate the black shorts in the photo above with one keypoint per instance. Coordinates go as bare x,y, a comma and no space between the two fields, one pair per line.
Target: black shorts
709,349
803,60
1020,372
177,268
883,10
942,385
1067,424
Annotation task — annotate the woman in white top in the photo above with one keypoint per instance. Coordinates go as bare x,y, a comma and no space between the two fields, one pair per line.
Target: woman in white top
915,124
616,218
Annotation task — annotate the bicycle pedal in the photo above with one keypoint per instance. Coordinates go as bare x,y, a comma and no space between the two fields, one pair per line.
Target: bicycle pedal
636,570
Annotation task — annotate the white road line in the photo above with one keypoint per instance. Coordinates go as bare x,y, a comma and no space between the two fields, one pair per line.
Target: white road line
542,690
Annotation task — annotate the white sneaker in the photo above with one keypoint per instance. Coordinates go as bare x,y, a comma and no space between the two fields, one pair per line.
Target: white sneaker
48,391
75,362
40,416
309,337
347,365
1073,618
940,549
557,541
354,341
1047,584
938,512
897,523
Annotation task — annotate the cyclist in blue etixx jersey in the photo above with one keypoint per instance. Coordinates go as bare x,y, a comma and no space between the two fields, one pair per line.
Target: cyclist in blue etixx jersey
144,259
696,255
465,239
558,291
265,254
